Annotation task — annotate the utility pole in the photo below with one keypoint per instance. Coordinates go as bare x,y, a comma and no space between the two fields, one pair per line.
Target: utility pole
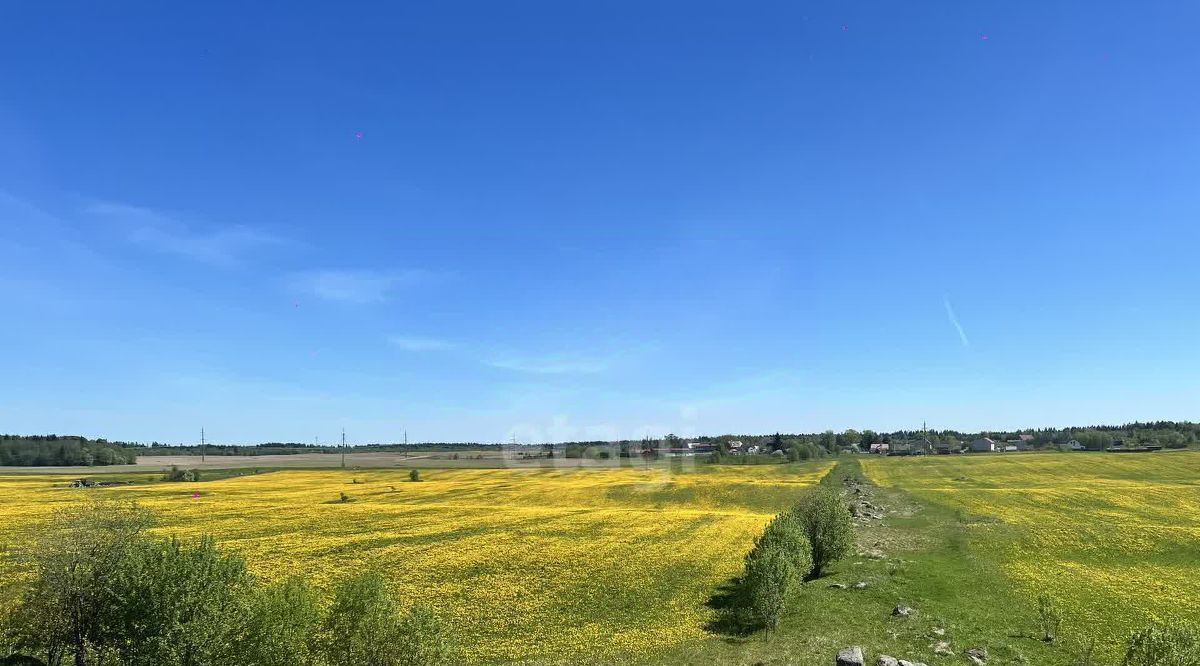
343,448
203,445
406,443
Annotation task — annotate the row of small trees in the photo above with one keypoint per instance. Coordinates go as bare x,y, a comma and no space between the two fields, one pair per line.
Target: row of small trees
105,591
797,545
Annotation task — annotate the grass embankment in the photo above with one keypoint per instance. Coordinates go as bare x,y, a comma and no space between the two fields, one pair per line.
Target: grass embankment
1114,539
920,554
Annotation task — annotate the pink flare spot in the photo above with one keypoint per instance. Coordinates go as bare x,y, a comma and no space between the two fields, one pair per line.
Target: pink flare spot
358,135
984,37
195,495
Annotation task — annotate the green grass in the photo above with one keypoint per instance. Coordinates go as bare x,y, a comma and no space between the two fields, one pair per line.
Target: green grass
1113,538
968,541
933,565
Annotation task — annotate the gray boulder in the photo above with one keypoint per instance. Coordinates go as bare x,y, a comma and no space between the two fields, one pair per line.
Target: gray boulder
851,656
902,611
977,656
885,660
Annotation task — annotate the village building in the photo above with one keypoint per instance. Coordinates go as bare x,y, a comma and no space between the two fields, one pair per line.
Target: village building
983,445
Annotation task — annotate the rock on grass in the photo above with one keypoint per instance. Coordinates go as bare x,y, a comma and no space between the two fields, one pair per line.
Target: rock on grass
851,656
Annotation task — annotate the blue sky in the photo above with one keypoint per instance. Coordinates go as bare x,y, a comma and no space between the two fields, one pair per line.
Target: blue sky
577,220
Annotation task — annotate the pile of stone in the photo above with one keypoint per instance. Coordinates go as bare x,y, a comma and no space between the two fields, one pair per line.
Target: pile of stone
853,656
861,507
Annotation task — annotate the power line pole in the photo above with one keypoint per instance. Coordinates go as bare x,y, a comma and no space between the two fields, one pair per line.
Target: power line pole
406,443
203,445
343,448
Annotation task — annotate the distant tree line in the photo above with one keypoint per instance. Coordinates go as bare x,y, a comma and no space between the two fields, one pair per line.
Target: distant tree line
38,450
62,451
1168,434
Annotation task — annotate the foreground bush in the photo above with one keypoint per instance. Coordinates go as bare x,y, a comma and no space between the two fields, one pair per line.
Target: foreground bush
827,524
774,569
283,625
105,592
769,579
786,533
1164,645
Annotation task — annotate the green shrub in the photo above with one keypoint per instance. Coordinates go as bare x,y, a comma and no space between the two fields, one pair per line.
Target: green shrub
176,474
414,475
106,592
769,579
282,625
424,638
1164,645
827,524
774,567
1049,619
366,628
787,534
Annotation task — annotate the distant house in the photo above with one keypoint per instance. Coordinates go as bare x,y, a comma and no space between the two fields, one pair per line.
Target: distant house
983,445
1017,445
1011,447
1074,445
688,449
879,447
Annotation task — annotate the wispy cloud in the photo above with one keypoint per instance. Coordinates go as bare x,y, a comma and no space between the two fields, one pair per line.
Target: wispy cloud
218,246
954,321
357,286
420,344
556,364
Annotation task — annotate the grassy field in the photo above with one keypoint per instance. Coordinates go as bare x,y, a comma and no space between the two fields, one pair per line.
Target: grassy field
627,565
1115,539
556,566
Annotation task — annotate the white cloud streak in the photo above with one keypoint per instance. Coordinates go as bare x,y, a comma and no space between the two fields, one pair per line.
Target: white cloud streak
222,246
413,344
962,335
557,364
357,286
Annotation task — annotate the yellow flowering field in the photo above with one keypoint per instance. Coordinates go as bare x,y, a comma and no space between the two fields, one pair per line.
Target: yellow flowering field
1115,538
526,565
